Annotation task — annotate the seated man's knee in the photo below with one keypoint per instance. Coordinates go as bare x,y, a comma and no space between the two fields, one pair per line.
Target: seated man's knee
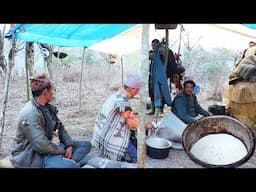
86,144
58,161
81,149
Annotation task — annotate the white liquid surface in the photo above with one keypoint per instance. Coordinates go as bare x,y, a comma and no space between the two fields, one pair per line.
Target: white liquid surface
219,149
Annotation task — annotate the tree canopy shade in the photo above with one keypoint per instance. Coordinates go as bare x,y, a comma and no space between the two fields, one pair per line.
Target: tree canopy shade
67,35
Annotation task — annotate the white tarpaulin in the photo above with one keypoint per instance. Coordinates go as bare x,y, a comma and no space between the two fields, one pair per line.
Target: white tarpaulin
128,41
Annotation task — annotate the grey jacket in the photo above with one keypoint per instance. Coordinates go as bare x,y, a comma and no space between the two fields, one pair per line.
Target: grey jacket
31,142
186,107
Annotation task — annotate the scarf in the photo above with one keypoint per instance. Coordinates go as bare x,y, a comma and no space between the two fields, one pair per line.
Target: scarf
51,120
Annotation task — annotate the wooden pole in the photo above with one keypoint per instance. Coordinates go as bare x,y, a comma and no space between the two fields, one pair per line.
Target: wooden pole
26,67
122,70
81,77
167,45
108,78
10,64
141,153
181,29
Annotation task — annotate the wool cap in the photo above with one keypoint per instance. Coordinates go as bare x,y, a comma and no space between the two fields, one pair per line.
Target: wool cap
39,81
133,81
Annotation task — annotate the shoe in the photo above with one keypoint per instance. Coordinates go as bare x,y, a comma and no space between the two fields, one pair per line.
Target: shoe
151,112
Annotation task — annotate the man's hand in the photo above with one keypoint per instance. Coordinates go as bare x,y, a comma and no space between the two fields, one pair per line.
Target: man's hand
69,151
131,119
149,125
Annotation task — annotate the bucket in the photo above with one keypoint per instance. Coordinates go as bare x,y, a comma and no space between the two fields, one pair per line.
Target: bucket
158,148
218,125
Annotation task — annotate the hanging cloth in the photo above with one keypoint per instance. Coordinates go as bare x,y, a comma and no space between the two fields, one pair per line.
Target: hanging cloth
158,81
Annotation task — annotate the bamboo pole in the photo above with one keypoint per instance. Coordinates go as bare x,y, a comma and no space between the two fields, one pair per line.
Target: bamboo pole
141,153
81,77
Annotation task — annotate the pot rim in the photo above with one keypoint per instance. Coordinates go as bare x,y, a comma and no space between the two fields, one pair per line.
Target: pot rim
158,138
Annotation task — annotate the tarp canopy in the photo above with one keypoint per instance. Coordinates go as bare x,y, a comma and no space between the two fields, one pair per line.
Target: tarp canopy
121,39
209,36
67,35
252,26
128,41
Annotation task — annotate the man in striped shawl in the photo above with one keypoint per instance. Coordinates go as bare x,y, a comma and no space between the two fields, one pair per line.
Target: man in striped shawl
115,123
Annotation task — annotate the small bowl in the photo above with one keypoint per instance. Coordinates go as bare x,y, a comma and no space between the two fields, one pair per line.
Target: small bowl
158,148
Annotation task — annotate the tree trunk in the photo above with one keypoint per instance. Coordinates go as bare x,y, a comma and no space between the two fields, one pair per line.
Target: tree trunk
29,63
30,57
2,58
48,61
49,65
143,95
9,66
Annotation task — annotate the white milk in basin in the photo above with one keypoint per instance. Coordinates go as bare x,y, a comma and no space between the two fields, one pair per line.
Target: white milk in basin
219,149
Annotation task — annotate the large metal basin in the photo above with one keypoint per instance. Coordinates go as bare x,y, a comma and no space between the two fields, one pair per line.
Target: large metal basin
218,124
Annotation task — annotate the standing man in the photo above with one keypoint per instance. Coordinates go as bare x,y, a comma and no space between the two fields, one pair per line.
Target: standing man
159,72
41,140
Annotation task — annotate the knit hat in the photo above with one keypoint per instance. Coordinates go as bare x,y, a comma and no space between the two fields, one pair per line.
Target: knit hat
38,81
133,81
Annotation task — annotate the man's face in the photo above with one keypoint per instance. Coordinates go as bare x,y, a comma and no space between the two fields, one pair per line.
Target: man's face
48,93
251,44
189,88
154,44
133,91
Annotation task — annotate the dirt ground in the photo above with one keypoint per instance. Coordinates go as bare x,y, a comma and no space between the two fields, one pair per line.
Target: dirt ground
80,123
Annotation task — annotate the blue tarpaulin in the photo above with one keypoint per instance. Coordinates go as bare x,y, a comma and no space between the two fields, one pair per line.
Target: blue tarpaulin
67,35
252,26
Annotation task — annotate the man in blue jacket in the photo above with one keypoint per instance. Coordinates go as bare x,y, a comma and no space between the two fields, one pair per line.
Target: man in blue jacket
159,91
185,104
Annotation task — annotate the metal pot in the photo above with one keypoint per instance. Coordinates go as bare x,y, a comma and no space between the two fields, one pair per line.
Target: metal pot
218,124
158,148
217,109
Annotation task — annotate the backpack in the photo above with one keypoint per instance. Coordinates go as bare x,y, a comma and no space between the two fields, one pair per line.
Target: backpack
174,65
180,67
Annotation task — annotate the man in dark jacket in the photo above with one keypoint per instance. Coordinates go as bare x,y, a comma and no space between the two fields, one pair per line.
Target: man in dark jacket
185,104
41,140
